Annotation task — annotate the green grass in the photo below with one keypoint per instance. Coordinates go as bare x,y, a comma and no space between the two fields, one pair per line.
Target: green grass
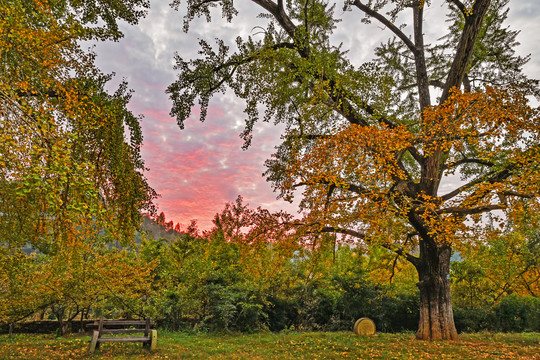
289,345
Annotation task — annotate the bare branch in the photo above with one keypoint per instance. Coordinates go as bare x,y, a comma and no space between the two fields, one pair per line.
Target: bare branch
278,12
394,263
383,20
419,58
437,83
457,210
469,161
352,233
331,189
354,188
416,154
489,178
466,83
331,229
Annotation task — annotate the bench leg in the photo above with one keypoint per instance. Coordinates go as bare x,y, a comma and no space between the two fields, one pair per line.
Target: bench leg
93,342
153,340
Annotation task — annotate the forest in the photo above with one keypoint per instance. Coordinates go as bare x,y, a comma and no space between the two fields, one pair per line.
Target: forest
364,150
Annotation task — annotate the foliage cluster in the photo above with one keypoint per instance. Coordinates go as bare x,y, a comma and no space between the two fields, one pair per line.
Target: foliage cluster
368,145
513,314
216,285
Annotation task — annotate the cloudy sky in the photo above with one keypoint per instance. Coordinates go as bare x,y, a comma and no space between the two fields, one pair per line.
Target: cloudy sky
198,169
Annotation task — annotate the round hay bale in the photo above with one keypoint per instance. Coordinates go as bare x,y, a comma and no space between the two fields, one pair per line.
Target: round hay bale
364,327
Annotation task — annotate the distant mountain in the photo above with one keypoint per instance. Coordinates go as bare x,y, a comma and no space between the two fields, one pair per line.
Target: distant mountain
158,231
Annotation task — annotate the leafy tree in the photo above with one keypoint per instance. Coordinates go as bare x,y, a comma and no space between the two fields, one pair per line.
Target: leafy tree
71,174
65,156
508,262
371,144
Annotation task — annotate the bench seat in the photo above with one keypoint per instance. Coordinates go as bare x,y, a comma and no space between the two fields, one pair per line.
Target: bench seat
125,339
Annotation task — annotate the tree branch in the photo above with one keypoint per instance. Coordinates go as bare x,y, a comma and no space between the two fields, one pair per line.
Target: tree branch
437,83
419,59
460,6
339,99
386,23
416,154
48,93
464,51
354,188
493,177
468,161
343,107
457,210
517,194
235,63
467,83
278,12
327,229
331,189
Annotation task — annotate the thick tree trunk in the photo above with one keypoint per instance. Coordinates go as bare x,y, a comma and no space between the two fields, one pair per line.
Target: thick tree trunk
436,315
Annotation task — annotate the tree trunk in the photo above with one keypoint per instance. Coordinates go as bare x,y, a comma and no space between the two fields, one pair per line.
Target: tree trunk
436,315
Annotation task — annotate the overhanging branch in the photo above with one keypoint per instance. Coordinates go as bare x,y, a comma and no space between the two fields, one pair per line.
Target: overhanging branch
469,161
354,188
457,210
331,229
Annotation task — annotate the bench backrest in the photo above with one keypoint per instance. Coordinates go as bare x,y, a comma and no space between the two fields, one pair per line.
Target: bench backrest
123,326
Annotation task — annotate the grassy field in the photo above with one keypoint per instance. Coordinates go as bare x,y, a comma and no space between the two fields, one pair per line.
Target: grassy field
292,345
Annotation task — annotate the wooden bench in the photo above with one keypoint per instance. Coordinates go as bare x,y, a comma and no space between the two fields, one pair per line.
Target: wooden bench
103,327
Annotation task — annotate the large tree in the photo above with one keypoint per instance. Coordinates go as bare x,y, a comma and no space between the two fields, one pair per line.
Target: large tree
71,173
370,144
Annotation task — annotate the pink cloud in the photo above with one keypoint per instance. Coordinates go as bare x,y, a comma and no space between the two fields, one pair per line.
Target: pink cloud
197,170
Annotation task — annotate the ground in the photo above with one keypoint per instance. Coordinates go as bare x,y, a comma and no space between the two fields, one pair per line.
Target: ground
285,345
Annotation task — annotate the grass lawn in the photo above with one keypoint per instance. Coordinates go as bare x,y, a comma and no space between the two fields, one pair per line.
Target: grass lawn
290,345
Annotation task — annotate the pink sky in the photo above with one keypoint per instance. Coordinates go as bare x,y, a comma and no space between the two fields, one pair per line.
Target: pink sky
198,169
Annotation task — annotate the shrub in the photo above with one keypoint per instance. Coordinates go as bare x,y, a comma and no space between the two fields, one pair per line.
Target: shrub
518,313
472,319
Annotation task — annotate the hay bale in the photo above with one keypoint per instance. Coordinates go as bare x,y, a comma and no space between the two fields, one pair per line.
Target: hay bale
364,327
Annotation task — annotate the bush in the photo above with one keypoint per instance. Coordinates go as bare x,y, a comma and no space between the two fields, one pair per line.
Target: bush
283,313
513,314
397,313
472,319
518,313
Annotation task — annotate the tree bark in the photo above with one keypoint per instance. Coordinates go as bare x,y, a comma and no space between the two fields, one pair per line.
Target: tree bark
436,314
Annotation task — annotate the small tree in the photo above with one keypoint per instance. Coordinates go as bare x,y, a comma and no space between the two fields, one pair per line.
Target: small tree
372,144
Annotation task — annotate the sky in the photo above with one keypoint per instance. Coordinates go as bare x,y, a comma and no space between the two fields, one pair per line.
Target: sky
198,169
